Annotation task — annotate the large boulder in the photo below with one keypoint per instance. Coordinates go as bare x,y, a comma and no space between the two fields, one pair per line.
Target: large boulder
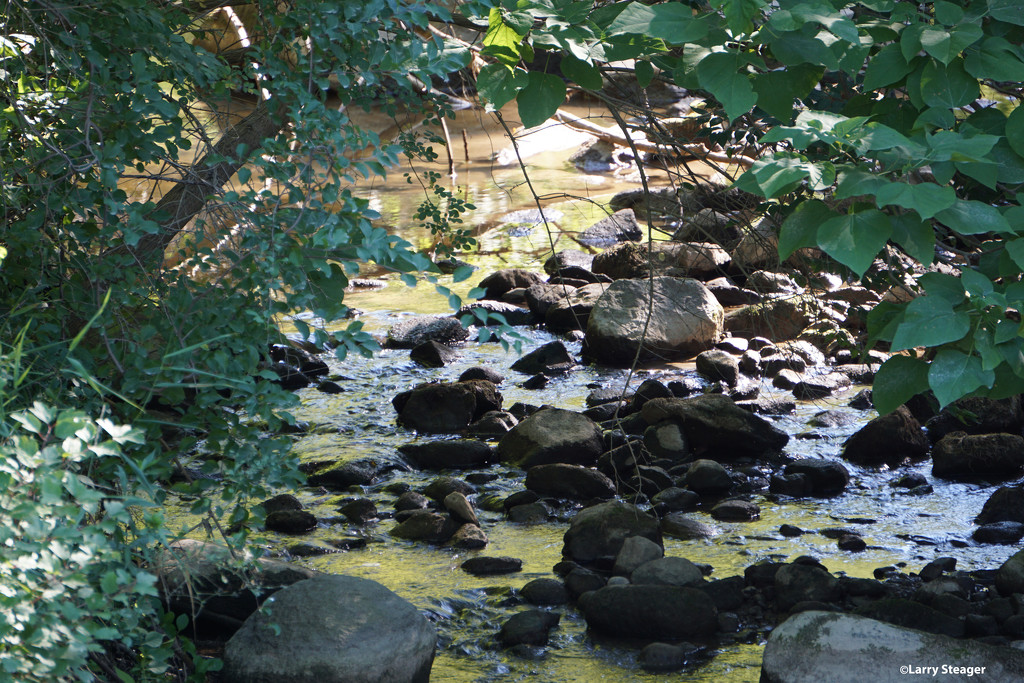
551,359
778,319
796,583
715,427
810,647
684,319
621,226
333,629
959,456
449,454
442,407
1006,504
977,415
597,533
1010,576
826,477
503,281
887,440
410,333
569,481
652,611
632,260
552,435
572,311
217,590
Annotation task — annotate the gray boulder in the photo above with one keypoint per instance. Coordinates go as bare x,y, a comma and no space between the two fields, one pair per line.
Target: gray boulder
597,533
887,440
650,611
439,408
707,477
551,359
569,481
621,226
827,477
1010,576
408,334
332,629
811,647
552,435
795,583
684,320
668,571
636,551
718,365
451,454
572,311
502,281
959,455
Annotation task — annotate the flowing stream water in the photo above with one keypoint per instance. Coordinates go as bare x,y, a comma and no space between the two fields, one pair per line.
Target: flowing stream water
900,529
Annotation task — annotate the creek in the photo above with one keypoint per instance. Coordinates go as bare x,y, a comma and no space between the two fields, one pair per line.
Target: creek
900,529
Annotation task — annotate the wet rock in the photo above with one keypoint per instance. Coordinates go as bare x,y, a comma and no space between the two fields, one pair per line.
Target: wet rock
482,372
493,424
568,257
810,647
716,364
708,225
438,408
727,594
359,511
410,500
728,294
621,226
887,440
308,550
684,528
551,359
491,566
640,261
851,543
794,485
572,312
545,592
977,415
662,657
541,297
569,481
685,319
449,454
439,488
790,531
581,580
795,583
937,568
284,501
384,639
912,614
1001,533
636,550
707,477
431,354
528,628
500,282
1010,576
785,378
674,499
779,319
470,537
424,525
484,311
329,387
820,386
649,389
650,611
410,333
736,511
348,474
596,533
827,477
716,427
460,508
529,513
959,456
909,481
667,571
1005,505
552,435
289,377
831,419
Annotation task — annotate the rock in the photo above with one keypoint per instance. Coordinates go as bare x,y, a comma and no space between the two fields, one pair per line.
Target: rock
708,225
545,592
640,261
410,333
541,297
572,312
410,500
529,513
482,372
431,354
730,295
284,501
492,566
529,628
1001,533
707,477
785,378
790,531
439,488
831,419
667,571
648,389
597,533
674,499
340,477
851,543
811,647
425,525
912,614
552,435
736,511
334,629
772,282
779,319
650,611
684,320
493,424
1010,576
1006,504
716,364
581,580
636,551
500,282
820,386
621,226
569,481
359,511
827,477
678,525
551,359
206,582
468,536
458,505
716,427
887,440
439,408
795,583
483,311
794,485
962,456
977,415
661,657
449,454
568,257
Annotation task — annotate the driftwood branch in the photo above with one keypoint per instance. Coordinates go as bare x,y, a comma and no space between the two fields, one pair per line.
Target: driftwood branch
617,138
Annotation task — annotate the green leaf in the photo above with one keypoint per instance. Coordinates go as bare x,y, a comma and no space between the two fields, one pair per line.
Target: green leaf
501,40
885,68
778,90
945,44
585,75
1015,130
673,22
803,47
927,199
498,84
971,217
996,58
916,236
540,99
953,374
739,14
718,73
898,380
976,284
855,239
774,176
930,321
854,182
944,286
1015,248
1006,330
1006,10
644,73
69,422
948,86
800,229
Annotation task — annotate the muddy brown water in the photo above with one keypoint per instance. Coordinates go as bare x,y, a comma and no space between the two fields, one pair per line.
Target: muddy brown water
468,610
